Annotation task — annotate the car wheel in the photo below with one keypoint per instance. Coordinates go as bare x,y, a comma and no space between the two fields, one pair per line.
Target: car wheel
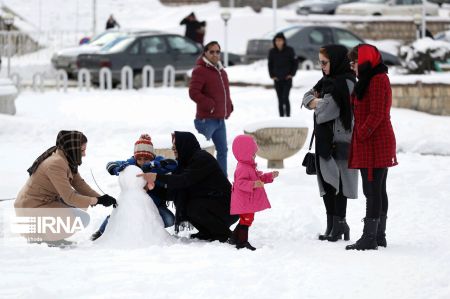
137,81
376,14
307,64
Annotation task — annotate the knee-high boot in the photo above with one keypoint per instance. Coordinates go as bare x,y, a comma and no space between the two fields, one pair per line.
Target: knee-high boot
368,239
381,233
328,229
340,227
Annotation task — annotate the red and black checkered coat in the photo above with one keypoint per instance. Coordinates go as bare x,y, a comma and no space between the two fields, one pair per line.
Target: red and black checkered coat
373,139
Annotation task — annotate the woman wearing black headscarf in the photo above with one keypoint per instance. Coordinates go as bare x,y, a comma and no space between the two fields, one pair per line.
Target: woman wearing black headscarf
199,188
333,123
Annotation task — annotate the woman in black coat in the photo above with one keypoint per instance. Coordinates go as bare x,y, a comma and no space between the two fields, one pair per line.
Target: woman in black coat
199,189
282,65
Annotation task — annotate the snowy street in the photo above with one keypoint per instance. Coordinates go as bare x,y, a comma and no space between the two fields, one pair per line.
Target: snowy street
289,262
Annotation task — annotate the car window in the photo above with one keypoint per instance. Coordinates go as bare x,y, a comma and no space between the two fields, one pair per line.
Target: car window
118,45
182,45
134,48
288,33
153,45
347,39
105,38
320,36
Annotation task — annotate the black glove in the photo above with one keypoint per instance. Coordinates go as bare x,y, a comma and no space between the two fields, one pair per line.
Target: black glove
106,200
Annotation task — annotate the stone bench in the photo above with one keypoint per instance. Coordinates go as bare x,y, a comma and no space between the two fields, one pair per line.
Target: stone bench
278,139
8,95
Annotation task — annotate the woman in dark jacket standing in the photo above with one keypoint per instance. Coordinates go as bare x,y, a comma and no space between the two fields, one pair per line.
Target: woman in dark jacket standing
333,123
199,189
373,147
282,68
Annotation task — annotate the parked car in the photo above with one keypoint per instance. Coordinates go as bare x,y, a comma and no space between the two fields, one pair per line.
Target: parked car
307,40
157,49
327,7
66,59
388,8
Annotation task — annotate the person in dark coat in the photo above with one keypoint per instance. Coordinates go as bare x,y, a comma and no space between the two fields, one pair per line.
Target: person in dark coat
373,147
282,68
199,189
195,30
111,23
333,124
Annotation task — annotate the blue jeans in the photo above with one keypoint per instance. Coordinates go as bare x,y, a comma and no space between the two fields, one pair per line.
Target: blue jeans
166,215
215,129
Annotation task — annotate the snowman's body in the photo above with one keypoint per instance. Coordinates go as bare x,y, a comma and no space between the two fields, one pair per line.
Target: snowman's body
136,221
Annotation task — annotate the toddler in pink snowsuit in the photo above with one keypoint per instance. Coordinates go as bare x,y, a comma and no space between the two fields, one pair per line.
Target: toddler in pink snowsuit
248,195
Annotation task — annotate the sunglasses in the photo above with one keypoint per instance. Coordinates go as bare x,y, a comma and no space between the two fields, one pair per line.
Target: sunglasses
323,62
212,52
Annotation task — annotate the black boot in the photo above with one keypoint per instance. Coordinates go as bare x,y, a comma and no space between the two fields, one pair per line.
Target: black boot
96,235
242,238
381,233
329,227
368,239
233,239
340,227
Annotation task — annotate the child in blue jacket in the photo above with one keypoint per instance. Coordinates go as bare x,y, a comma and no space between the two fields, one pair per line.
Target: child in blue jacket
145,158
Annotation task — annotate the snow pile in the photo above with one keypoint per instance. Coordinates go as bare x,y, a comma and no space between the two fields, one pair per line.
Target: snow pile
422,55
136,222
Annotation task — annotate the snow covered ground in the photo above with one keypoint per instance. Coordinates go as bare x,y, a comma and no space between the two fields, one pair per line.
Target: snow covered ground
289,263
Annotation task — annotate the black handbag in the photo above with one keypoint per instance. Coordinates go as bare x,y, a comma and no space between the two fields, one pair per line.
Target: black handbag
310,159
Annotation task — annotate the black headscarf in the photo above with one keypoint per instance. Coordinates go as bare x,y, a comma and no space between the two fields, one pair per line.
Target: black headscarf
69,142
335,83
370,63
186,145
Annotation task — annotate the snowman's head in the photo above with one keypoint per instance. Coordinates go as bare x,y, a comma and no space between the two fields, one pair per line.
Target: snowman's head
128,179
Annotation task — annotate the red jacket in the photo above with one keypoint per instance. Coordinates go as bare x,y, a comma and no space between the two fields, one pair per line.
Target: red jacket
210,89
373,139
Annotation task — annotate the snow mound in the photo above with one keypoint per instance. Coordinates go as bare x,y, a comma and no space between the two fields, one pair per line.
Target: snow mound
136,222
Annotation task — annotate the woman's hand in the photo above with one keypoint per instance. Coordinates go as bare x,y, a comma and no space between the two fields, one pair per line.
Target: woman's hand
150,178
275,173
258,184
313,103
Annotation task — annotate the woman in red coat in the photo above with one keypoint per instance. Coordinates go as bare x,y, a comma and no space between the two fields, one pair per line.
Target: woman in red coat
373,140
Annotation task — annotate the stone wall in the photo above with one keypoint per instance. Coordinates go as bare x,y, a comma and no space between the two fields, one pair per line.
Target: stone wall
256,4
431,98
404,30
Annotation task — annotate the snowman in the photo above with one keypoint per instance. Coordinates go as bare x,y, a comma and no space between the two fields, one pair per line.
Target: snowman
136,221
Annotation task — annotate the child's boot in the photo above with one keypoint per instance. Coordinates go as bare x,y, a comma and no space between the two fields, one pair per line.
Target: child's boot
234,235
242,238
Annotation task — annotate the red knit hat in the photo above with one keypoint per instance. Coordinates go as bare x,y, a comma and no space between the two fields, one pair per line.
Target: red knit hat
144,147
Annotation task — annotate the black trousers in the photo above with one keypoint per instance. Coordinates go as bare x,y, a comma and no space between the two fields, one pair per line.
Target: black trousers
283,88
375,192
210,216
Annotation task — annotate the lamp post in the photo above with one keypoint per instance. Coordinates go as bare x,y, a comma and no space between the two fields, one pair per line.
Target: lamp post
274,8
226,15
94,17
8,20
424,25
417,22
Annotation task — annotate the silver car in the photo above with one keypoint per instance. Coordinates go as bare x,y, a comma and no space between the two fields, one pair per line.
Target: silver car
66,59
327,7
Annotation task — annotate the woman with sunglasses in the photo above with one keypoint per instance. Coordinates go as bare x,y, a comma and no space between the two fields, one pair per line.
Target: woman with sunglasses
210,90
373,147
333,123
